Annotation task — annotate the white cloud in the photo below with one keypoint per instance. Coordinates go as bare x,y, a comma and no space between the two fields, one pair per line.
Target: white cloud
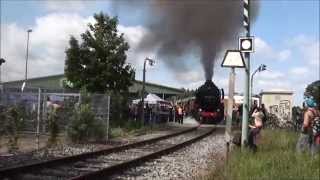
268,84
189,76
265,51
222,82
311,53
308,47
298,71
194,85
133,35
271,80
284,55
48,42
194,79
270,75
66,5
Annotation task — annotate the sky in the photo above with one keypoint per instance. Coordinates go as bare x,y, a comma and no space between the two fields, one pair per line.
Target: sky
286,40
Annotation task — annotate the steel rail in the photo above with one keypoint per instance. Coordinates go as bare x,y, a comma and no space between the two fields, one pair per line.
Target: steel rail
134,162
12,171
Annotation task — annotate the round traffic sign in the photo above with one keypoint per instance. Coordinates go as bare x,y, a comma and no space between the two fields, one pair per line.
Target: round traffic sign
246,44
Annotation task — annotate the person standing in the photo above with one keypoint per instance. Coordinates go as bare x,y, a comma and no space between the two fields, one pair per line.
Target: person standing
254,107
180,114
146,114
255,129
239,115
171,111
309,139
264,111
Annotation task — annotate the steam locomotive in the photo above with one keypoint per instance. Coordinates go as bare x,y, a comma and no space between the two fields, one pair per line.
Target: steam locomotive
209,103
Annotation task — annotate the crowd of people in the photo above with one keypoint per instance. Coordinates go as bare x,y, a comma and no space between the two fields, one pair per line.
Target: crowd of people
309,139
156,113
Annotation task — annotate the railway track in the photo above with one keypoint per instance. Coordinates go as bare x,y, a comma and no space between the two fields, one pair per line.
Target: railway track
104,163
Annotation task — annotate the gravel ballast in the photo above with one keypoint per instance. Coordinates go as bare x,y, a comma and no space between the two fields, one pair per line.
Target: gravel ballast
62,150
188,163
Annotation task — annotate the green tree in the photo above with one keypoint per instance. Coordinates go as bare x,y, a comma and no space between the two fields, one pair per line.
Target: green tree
313,90
99,63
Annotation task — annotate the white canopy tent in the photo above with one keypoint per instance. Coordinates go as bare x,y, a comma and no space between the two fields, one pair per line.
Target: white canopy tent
150,99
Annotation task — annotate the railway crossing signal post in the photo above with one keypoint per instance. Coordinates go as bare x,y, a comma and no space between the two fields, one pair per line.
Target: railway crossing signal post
245,45
232,59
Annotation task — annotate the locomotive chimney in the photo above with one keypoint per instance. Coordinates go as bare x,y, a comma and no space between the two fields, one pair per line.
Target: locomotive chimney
208,82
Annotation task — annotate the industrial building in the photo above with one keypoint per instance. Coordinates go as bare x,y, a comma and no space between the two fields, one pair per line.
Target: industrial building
56,82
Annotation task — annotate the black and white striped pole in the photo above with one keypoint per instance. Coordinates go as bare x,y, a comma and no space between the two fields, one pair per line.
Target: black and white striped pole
244,44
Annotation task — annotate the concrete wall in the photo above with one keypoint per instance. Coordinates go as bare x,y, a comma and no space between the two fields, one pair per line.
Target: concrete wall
278,103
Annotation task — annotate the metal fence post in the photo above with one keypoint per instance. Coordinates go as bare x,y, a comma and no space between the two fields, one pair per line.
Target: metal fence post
108,117
44,112
38,117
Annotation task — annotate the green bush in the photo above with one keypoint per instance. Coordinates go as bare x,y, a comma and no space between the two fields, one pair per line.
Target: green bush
297,117
130,128
11,123
85,127
117,132
53,126
2,120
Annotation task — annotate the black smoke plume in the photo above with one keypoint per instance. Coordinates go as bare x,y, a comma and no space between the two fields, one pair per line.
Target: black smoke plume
180,26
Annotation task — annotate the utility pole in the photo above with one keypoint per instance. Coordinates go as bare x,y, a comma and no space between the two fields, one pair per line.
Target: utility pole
151,63
262,67
143,90
246,107
27,56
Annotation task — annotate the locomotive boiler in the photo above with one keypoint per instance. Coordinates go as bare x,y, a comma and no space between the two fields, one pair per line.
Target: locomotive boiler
209,103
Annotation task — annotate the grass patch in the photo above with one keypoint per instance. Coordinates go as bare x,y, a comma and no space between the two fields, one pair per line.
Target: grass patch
276,159
133,128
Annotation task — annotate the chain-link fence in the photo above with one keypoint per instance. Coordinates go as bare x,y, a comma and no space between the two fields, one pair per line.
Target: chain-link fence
34,105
